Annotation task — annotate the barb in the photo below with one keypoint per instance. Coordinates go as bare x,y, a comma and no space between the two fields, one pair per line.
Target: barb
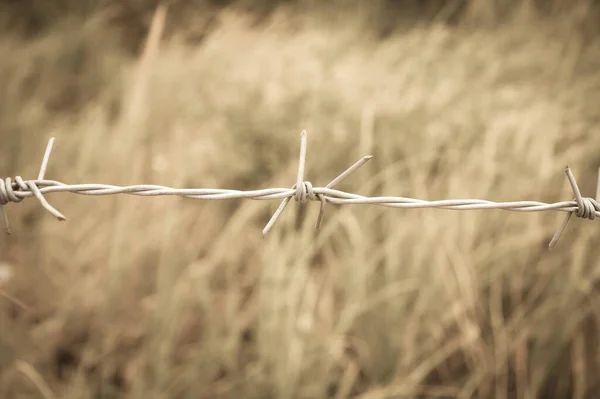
586,207
302,191
14,191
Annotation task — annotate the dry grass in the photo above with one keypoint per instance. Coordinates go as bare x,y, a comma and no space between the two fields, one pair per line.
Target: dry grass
165,297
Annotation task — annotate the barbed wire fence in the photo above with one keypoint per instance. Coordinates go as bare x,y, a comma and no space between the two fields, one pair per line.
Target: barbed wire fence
303,191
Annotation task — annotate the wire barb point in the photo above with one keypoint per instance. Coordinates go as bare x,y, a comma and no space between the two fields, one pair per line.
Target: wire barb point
303,190
19,189
598,187
586,207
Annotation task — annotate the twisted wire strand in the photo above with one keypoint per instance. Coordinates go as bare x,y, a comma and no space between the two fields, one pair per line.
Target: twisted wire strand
303,191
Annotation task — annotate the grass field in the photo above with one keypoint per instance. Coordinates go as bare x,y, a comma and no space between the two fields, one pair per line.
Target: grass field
164,297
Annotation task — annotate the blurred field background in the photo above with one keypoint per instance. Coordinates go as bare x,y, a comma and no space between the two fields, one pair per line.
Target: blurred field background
163,297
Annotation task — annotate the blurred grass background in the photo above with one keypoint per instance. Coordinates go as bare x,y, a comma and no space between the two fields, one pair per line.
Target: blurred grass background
163,297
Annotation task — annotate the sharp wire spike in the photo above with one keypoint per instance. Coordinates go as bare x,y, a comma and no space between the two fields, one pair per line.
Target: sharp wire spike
321,212
560,230
32,186
580,207
349,171
299,185
598,187
337,181
301,164
44,166
567,218
38,194
300,194
574,187
5,224
275,216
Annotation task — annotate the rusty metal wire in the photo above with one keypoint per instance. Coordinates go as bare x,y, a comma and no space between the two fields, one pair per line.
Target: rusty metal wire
302,191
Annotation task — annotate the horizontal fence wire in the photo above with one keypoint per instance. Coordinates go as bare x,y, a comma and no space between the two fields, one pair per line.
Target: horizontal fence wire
303,191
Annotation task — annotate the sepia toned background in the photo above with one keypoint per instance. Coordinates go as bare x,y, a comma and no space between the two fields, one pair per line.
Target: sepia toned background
165,297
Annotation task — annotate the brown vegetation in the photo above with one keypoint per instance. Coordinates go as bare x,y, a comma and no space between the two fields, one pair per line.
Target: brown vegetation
164,297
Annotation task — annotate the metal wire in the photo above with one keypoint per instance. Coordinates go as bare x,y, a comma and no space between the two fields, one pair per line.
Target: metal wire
302,191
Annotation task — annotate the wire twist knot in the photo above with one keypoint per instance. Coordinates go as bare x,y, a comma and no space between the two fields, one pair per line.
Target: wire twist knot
587,208
304,192
7,191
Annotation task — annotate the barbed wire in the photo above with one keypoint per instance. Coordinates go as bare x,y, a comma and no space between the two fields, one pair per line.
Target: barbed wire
303,191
